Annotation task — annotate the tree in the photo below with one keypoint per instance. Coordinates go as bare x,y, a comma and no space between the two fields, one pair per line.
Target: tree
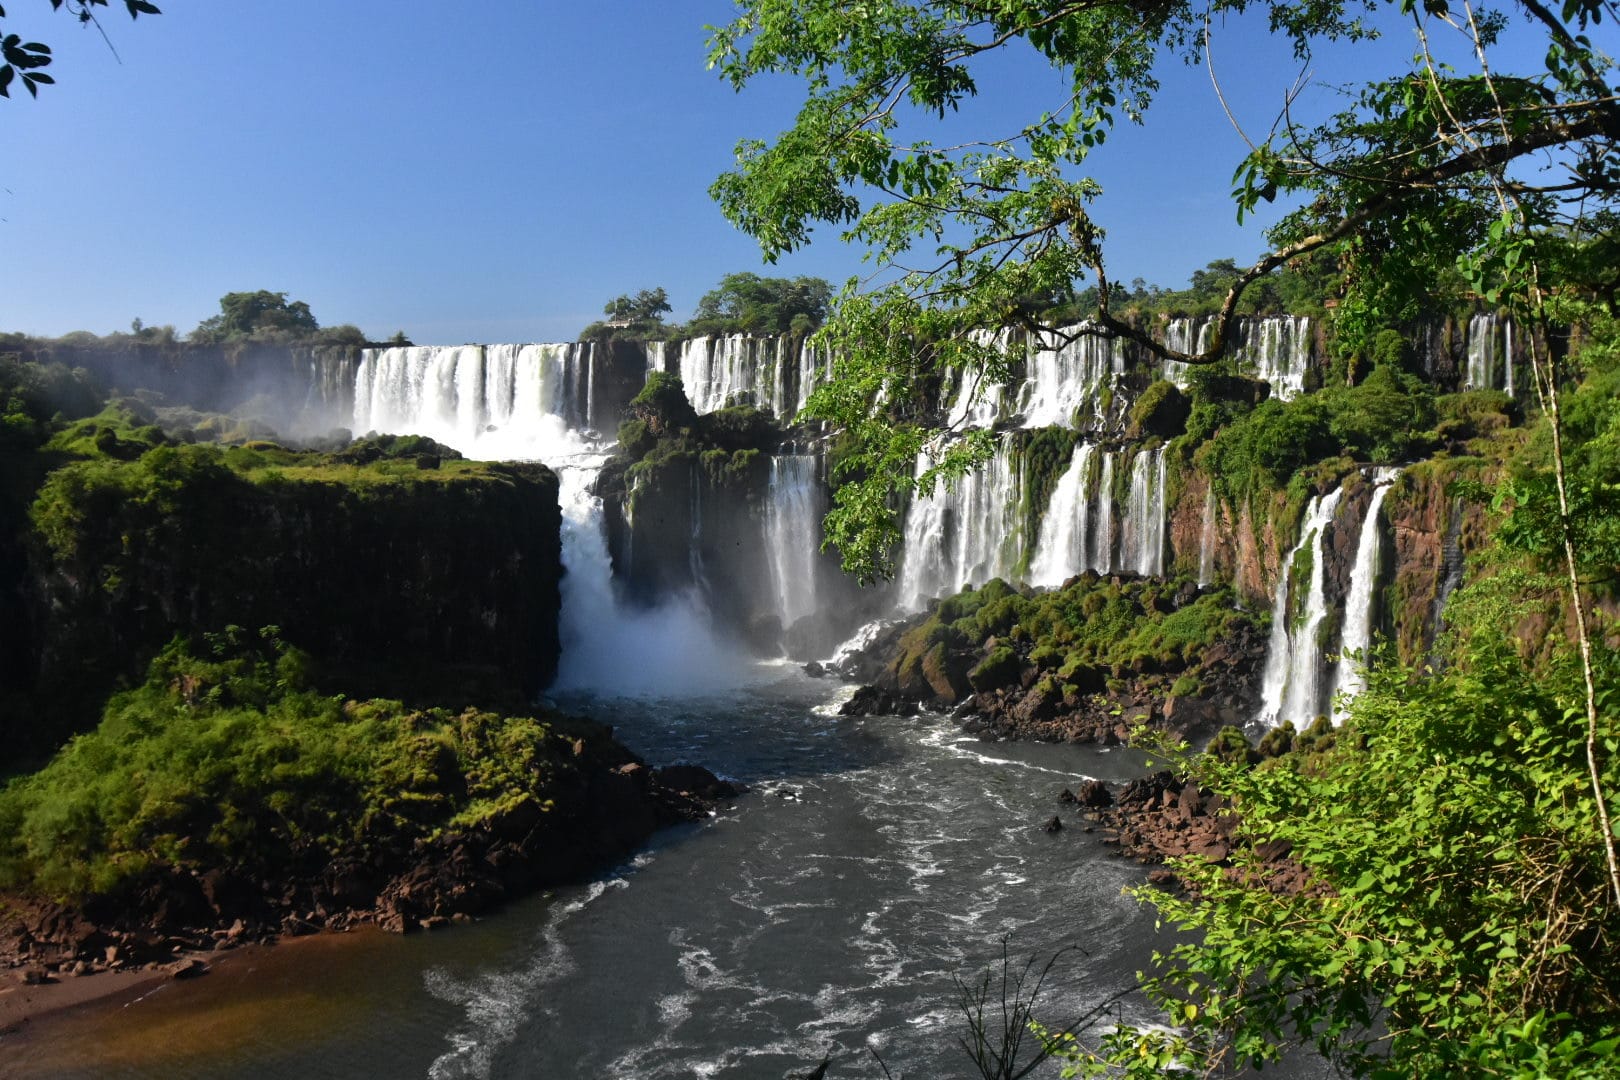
639,315
748,303
26,58
1398,186
257,314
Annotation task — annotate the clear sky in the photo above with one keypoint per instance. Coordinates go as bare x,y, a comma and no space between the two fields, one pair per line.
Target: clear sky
482,172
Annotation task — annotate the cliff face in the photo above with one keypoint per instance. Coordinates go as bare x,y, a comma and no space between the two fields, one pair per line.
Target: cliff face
404,583
692,521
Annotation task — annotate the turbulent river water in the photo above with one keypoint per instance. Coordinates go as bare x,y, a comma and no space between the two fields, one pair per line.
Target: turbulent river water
873,863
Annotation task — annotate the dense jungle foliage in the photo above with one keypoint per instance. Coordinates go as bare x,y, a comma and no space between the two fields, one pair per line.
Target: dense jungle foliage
227,757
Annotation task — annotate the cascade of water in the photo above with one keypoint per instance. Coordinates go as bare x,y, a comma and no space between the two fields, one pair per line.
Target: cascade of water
792,529
714,370
655,356
1185,335
1291,686
1063,548
814,367
961,536
1103,554
1068,379
1279,347
1142,532
1507,356
1206,540
975,400
1481,349
1348,677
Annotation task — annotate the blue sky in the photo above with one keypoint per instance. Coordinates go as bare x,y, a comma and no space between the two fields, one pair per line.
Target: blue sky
482,172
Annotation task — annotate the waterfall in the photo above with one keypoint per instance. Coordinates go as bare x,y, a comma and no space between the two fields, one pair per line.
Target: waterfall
1069,379
961,536
1206,540
456,393
1184,335
1142,535
1359,608
975,401
1063,548
1507,356
1103,555
1291,689
792,529
814,368
1279,348
1481,350
741,368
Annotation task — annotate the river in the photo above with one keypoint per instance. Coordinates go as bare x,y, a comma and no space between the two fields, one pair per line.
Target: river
874,862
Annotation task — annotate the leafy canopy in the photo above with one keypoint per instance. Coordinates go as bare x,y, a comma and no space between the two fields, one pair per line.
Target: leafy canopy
26,58
750,304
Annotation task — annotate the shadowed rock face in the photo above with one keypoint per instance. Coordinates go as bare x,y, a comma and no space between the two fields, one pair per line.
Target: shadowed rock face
405,587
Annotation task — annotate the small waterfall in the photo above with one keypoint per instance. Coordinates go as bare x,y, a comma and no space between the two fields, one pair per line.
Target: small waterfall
731,368
1481,351
1068,380
975,401
1507,356
1064,546
1349,678
792,529
1452,562
1184,335
713,369
961,537
1142,535
815,367
1291,689
1206,540
1279,347
1103,554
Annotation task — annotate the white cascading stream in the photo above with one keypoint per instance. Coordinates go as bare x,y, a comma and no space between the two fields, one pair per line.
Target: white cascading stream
1067,379
1206,540
1142,530
1064,546
1349,676
1279,348
1481,351
792,532
1291,687
1184,335
961,536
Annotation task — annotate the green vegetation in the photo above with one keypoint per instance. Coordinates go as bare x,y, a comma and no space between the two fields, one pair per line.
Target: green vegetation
1094,629
227,758
264,317
639,317
749,304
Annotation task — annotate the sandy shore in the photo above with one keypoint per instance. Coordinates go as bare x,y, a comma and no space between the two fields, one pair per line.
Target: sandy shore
21,1003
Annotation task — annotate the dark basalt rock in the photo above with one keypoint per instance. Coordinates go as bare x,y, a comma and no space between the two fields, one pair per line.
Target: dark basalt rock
871,701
